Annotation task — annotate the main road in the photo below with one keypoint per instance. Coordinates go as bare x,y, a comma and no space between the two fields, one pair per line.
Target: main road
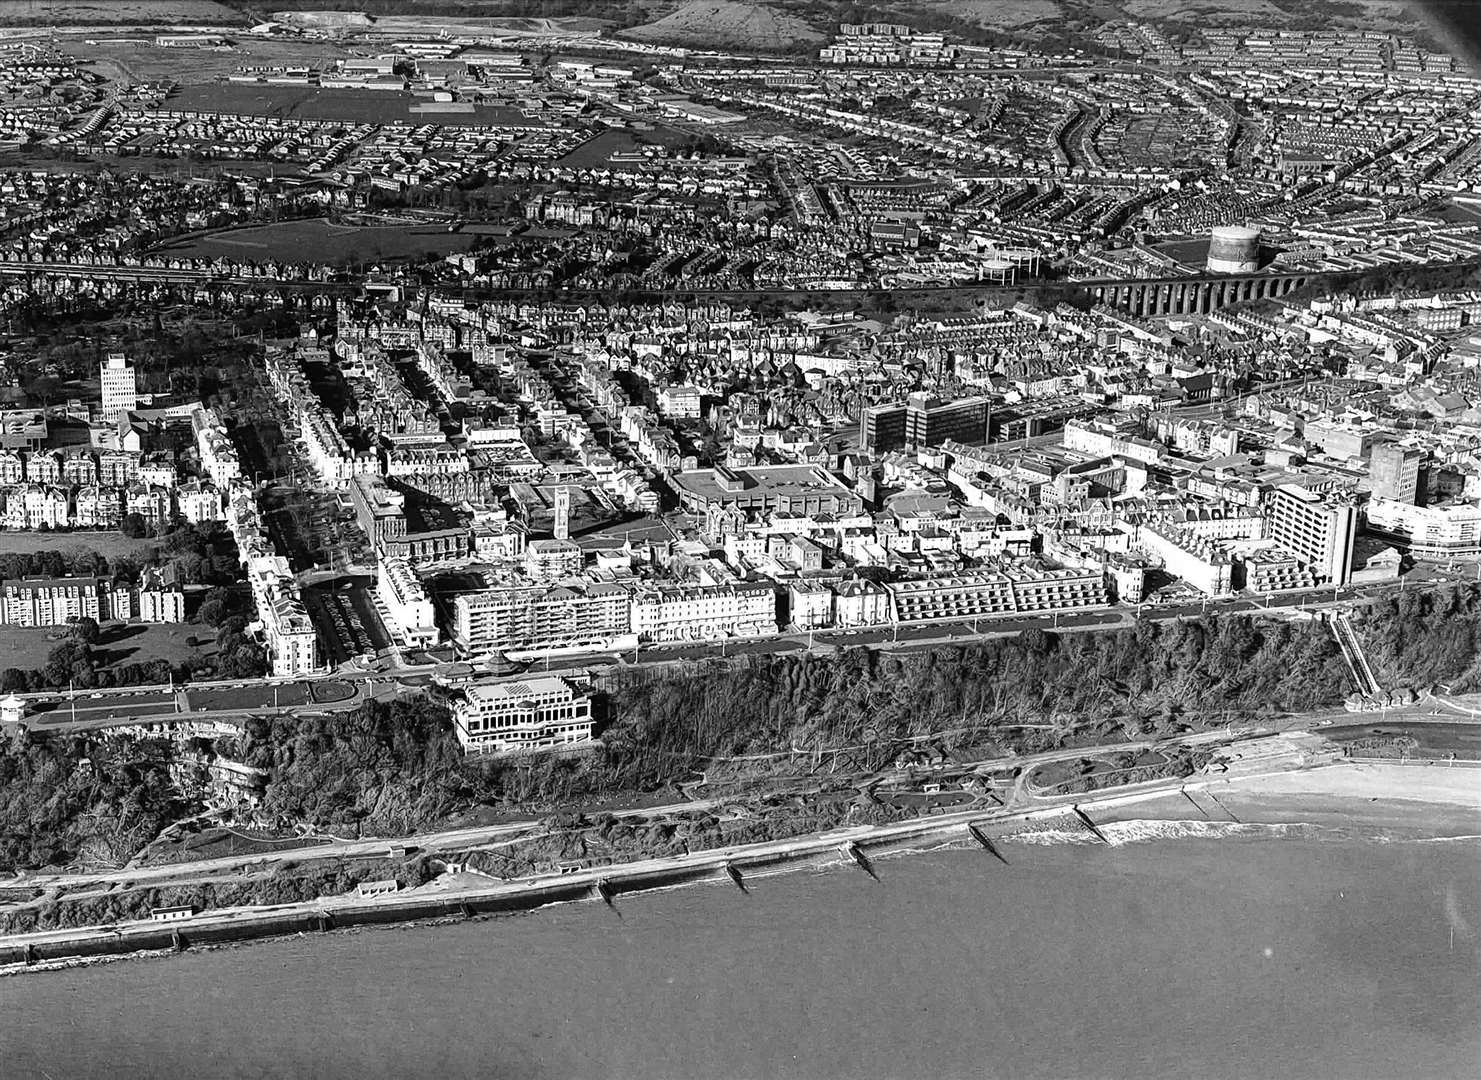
390,675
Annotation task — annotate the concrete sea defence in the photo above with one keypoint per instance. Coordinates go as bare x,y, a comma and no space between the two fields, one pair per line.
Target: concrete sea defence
607,882
978,826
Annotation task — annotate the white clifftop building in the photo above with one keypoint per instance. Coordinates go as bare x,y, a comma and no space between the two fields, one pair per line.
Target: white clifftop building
119,384
529,714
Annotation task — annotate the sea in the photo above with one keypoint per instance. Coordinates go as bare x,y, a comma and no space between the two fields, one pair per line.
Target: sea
1460,22
1251,954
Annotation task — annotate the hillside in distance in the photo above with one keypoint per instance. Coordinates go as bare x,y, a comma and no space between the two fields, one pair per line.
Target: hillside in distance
729,24
797,25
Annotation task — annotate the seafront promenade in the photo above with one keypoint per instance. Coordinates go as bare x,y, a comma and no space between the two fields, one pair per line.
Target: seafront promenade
1273,790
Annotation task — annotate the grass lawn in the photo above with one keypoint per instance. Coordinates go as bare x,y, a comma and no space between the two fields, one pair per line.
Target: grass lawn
598,150
317,240
26,647
111,545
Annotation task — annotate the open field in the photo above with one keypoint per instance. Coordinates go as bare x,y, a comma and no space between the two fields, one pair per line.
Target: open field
117,12
301,102
1214,12
343,105
317,240
720,24
27,647
140,59
1383,16
475,26
111,545
1000,14
597,151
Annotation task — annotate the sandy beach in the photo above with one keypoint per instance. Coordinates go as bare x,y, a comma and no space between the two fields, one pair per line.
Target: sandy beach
1356,801
1435,784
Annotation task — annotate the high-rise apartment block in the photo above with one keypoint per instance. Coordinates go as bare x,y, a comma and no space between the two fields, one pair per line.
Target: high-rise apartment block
120,387
1319,528
1394,471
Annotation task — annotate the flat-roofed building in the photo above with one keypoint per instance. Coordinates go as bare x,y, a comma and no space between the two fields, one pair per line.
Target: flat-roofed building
987,594
1394,472
120,388
679,402
523,715
54,601
929,422
406,603
961,596
22,429
1319,528
1443,531
788,489
573,616
882,427
380,511
552,560
160,598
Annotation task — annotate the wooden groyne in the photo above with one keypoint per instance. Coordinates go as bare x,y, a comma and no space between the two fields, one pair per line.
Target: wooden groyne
737,866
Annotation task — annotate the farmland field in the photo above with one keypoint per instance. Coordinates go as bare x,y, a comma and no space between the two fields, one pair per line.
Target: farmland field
318,240
118,12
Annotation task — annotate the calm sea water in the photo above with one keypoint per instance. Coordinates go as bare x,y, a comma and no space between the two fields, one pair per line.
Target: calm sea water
1188,958
1461,20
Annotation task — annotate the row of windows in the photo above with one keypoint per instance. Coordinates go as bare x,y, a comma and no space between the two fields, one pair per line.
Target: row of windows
566,733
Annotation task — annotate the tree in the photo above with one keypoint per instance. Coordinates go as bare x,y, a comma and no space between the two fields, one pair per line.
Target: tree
85,629
134,526
64,661
212,611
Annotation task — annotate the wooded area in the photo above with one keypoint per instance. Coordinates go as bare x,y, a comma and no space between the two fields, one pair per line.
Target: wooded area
393,768
1419,639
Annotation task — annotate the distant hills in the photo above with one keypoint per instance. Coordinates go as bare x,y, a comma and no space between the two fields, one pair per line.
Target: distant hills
793,25
729,24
